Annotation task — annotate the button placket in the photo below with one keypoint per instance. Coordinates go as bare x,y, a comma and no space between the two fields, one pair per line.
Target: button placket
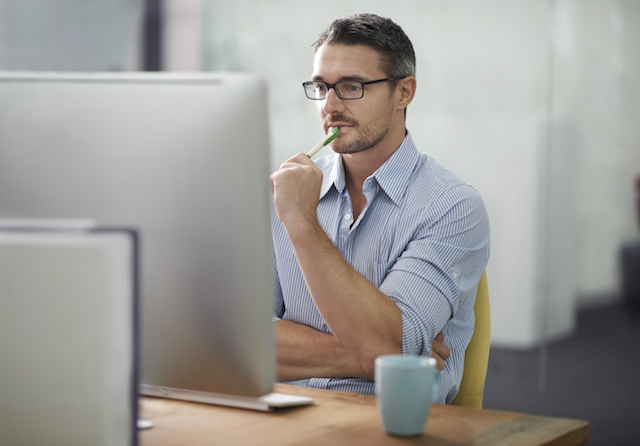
345,221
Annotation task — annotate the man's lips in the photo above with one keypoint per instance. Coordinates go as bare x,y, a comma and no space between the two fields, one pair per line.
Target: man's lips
342,126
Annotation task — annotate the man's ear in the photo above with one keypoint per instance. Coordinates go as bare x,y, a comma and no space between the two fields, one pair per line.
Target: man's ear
406,91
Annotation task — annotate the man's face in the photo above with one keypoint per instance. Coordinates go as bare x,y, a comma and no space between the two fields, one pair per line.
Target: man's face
364,122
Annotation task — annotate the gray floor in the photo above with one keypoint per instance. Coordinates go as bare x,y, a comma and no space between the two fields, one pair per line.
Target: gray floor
593,375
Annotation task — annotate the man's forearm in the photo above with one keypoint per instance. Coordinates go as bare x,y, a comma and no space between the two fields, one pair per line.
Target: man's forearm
364,320
304,352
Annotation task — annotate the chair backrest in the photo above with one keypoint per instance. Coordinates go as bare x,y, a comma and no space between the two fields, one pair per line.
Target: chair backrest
476,359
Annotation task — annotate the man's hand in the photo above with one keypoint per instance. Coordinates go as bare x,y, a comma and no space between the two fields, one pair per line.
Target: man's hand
295,188
439,351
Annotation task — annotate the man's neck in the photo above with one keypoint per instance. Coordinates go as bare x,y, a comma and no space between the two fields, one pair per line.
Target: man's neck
360,166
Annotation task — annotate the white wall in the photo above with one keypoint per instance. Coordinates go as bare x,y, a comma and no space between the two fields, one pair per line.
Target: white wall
597,110
559,202
182,45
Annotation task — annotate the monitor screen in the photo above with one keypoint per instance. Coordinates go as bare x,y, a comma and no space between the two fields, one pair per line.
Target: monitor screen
184,158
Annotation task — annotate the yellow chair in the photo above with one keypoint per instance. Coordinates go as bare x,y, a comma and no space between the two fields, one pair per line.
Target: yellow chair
476,359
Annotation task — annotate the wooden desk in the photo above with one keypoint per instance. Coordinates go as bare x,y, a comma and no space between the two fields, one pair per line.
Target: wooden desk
345,419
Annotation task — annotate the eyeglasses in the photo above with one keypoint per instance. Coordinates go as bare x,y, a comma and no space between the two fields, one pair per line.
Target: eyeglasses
348,90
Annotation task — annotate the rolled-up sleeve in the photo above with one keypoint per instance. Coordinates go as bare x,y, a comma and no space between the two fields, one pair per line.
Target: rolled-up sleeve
440,267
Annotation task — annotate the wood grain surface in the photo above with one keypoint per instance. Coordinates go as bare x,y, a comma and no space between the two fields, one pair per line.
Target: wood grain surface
338,418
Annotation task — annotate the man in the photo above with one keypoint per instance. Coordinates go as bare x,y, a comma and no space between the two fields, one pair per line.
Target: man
378,249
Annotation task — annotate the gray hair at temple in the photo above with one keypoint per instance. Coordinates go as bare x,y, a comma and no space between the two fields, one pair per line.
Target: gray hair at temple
378,33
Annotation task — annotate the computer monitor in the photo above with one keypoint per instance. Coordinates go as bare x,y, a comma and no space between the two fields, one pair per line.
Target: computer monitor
68,326
184,158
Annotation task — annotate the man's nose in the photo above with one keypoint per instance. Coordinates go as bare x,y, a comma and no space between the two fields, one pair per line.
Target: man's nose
332,103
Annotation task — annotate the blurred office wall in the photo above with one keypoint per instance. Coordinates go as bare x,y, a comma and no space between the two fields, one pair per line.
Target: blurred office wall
535,103
596,114
532,102
70,35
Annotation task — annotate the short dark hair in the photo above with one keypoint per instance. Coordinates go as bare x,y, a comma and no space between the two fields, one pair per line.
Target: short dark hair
379,33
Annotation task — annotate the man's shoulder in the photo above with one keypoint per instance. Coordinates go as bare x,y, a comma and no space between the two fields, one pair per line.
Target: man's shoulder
438,182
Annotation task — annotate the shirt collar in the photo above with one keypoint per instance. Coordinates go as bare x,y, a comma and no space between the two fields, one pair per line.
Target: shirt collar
335,176
392,177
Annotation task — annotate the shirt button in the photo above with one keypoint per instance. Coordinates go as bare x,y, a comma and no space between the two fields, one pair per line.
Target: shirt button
454,275
347,217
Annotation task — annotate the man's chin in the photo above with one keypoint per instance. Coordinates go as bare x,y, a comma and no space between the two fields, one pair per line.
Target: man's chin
347,149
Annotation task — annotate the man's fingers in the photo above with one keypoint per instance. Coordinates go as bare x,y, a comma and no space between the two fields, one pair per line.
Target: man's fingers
440,364
439,351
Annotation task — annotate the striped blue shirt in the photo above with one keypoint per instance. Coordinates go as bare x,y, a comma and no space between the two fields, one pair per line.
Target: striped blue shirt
422,239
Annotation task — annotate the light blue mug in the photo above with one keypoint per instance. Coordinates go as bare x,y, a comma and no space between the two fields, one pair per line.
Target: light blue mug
406,386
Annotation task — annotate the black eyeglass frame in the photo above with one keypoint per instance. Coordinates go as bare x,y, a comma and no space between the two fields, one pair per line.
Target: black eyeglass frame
330,86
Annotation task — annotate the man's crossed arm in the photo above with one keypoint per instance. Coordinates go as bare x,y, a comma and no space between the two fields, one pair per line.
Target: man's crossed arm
304,352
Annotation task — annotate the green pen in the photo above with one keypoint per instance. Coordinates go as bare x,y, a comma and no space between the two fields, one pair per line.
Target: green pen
324,141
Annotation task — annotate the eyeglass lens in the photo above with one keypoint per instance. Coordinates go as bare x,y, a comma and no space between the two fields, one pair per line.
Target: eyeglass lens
344,89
